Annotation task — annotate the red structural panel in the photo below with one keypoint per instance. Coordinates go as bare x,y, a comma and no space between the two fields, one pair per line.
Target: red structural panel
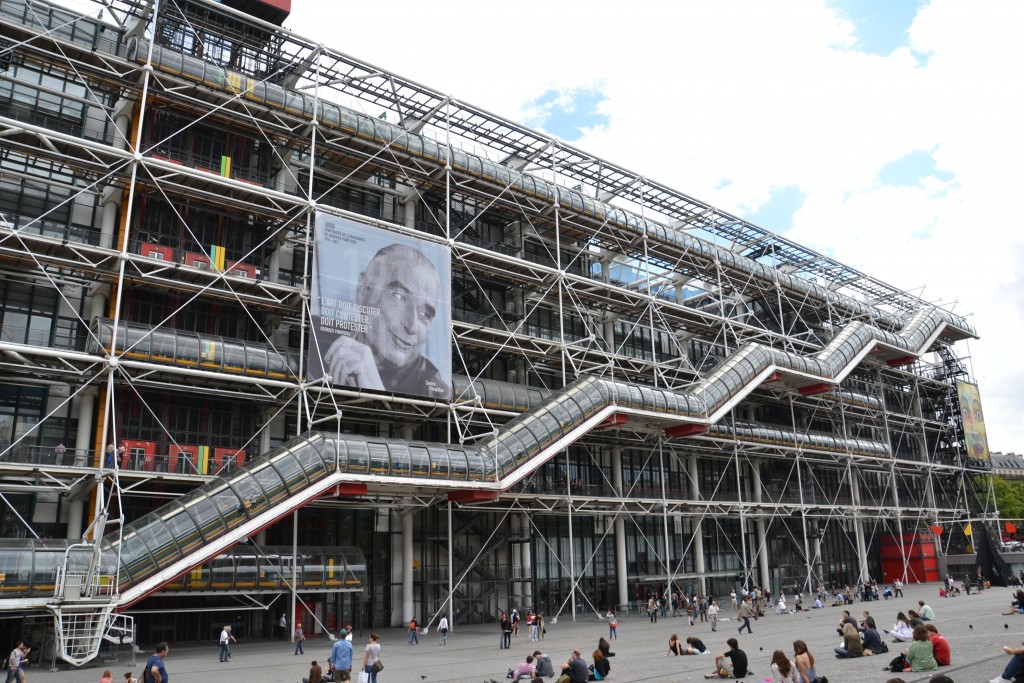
812,389
902,360
614,421
350,490
686,430
472,496
774,377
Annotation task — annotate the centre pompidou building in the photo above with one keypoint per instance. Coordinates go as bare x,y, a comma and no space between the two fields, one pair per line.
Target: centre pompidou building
284,328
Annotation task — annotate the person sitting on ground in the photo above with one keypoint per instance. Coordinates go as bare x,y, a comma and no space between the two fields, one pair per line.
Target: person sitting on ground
525,670
804,662
695,646
914,618
887,593
863,621
781,608
873,643
1013,667
316,673
576,668
605,647
902,631
817,603
737,658
543,664
927,614
940,678
602,666
783,670
844,620
851,647
940,646
674,646
921,653
1017,606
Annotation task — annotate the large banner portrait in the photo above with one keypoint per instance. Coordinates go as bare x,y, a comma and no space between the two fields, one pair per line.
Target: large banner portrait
381,310
973,420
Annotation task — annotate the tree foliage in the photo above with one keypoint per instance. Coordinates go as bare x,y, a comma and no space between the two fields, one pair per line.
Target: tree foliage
1009,498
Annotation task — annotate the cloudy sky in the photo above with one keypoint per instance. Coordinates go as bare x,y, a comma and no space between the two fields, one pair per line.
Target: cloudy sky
884,133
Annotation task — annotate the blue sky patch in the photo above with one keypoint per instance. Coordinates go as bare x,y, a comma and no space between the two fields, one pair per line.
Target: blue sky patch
910,170
880,26
777,213
567,113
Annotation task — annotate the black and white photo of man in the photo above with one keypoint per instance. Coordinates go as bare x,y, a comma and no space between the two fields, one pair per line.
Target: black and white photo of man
377,340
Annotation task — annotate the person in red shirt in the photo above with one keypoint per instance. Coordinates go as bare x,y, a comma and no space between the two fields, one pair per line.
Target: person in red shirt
940,646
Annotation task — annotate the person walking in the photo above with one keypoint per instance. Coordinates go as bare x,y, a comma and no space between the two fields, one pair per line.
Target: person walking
14,662
442,628
414,634
299,637
745,614
156,670
613,625
225,644
371,658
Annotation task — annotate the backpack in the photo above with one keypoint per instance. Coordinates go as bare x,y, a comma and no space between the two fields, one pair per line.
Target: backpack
899,663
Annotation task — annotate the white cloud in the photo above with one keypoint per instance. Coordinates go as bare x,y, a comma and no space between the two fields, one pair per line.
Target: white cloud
727,101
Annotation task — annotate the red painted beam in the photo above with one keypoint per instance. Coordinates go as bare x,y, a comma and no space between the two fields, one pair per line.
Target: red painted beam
350,490
813,389
902,360
472,496
615,420
774,377
686,430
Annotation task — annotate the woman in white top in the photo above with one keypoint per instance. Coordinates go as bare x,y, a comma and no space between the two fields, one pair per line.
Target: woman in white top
713,613
902,631
783,670
371,656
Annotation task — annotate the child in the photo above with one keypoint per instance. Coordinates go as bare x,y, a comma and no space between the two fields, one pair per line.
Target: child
128,678
106,677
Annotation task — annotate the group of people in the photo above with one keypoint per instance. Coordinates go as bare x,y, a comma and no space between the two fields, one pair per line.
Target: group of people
733,664
339,664
508,623
538,666
927,651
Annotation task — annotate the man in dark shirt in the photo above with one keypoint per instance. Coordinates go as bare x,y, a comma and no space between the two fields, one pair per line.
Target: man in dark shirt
847,619
576,668
543,663
736,656
155,670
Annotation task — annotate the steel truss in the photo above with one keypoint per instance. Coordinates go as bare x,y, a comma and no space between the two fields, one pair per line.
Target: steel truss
620,277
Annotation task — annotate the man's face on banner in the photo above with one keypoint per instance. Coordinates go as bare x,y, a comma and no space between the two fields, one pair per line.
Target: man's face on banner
406,292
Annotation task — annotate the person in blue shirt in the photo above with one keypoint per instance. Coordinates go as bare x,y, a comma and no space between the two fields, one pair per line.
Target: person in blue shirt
341,657
155,670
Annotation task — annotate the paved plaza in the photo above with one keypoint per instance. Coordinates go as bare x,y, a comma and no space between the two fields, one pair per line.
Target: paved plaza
973,625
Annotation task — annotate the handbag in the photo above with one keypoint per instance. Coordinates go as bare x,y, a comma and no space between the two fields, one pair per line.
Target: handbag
378,666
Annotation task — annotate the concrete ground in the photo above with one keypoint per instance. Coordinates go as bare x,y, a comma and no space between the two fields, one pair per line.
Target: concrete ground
972,624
